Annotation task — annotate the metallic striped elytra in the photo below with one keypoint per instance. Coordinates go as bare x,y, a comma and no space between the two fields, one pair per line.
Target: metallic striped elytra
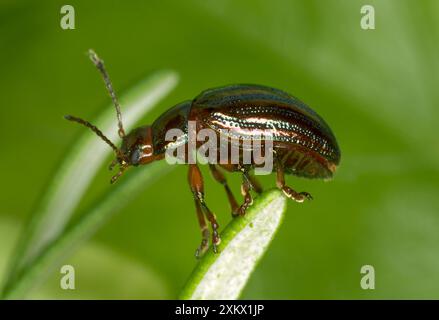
303,144
247,110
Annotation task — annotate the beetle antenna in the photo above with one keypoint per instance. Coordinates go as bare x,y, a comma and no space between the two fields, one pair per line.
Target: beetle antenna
98,133
99,63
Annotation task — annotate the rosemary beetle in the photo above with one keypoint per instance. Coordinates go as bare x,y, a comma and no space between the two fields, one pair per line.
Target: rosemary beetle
302,143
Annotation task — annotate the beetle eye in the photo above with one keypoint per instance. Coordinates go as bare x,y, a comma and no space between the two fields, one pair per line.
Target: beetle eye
135,157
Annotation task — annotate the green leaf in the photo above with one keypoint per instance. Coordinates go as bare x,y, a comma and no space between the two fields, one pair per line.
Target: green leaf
80,166
75,234
244,241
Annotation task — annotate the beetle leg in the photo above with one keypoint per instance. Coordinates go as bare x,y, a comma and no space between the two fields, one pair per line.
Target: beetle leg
249,182
219,176
245,190
290,193
214,224
255,185
204,231
197,188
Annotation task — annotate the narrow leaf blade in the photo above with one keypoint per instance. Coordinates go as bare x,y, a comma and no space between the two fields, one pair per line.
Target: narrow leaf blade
75,174
77,233
244,241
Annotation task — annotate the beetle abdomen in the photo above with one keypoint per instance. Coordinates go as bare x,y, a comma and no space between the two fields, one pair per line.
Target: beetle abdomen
247,111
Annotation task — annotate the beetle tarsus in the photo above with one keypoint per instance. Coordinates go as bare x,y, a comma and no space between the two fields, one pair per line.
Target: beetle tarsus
288,192
296,196
201,250
216,240
197,187
306,195
246,186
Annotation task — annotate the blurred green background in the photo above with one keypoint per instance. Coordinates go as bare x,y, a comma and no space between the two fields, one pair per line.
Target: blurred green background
377,89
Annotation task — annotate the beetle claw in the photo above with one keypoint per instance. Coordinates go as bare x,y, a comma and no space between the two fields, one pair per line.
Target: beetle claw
306,195
216,239
201,250
215,245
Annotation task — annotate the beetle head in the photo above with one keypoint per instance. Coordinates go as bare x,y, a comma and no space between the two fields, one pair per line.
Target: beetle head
137,146
137,149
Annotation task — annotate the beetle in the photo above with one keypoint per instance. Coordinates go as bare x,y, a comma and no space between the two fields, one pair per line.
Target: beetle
303,143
